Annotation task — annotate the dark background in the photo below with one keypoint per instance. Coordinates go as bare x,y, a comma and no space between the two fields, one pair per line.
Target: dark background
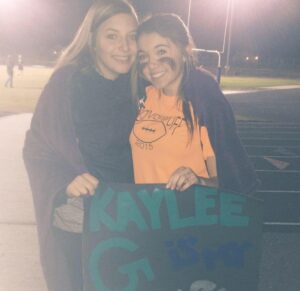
267,28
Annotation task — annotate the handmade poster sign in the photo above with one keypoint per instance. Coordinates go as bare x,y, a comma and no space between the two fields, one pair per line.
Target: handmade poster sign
148,238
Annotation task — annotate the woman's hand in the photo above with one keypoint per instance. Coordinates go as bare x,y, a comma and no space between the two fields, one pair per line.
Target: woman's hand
84,184
182,179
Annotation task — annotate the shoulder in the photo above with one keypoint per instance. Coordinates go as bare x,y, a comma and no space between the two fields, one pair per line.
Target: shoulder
201,84
60,78
58,88
69,78
61,74
204,78
206,97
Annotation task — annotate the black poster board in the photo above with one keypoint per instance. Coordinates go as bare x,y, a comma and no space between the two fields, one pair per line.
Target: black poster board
148,238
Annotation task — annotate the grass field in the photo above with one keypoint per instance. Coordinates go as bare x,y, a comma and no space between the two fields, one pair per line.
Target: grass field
238,83
28,86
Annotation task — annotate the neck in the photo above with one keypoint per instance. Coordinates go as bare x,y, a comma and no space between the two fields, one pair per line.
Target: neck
105,75
171,91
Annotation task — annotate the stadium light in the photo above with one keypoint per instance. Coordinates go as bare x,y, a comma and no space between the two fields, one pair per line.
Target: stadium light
8,3
7,7
230,12
189,13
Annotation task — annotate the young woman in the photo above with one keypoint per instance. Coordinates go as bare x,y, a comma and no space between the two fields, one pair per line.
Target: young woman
79,135
185,132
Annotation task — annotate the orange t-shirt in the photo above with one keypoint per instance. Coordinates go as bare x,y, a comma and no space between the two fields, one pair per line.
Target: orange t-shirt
161,143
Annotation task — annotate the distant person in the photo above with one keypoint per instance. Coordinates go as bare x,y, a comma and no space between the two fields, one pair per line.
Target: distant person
20,64
185,133
10,64
79,135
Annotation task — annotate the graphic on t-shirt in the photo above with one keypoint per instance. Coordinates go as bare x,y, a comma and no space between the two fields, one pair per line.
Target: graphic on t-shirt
149,130
151,127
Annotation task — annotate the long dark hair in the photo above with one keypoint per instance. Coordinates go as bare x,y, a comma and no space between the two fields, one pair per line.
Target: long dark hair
172,27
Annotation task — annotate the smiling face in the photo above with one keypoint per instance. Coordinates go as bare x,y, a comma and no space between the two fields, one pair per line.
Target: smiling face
161,62
115,45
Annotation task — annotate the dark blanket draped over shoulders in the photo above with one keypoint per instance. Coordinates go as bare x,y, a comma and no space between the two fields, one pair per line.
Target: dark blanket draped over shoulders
53,160
235,172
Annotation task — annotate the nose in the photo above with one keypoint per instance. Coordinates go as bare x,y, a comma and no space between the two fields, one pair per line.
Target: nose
124,45
153,62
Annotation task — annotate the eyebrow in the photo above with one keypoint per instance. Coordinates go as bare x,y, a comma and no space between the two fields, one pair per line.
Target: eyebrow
156,47
116,30
161,45
112,29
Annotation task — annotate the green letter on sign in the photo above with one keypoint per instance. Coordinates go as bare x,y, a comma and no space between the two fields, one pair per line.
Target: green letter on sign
128,211
205,201
130,269
152,203
231,210
98,213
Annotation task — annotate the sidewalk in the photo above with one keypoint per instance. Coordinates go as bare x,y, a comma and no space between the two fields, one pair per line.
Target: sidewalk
19,259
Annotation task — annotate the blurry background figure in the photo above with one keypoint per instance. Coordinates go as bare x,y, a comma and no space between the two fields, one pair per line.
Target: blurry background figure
10,72
20,64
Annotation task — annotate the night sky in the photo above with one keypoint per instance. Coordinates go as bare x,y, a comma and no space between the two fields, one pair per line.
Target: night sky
262,27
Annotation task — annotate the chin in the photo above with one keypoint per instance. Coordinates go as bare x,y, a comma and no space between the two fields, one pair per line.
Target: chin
123,70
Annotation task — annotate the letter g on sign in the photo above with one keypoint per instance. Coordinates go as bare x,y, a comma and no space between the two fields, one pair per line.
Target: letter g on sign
131,269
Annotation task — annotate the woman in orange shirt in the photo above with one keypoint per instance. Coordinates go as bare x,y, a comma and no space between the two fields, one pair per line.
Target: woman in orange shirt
185,132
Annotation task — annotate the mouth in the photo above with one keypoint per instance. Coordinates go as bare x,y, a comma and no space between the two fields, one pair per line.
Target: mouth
157,75
123,59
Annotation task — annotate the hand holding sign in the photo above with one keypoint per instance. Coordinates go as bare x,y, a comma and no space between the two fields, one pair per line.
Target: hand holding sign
182,179
84,184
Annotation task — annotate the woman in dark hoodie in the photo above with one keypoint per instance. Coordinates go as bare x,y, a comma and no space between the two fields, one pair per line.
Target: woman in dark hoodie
79,135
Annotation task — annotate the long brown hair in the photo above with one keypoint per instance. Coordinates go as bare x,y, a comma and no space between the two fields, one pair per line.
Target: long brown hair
80,51
172,27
